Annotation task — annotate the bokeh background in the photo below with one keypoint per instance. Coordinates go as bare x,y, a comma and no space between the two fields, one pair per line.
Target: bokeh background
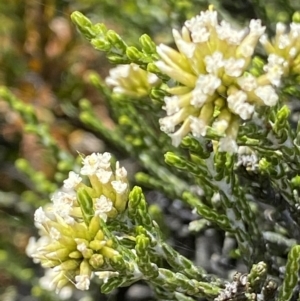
45,63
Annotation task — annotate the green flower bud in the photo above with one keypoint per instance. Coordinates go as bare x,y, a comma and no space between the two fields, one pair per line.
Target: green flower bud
83,24
116,40
97,245
101,44
296,17
148,45
60,254
99,235
151,67
70,264
96,261
174,160
295,181
117,59
133,53
135,196
75,255
157,94
87,253
85,268
108,252
94,226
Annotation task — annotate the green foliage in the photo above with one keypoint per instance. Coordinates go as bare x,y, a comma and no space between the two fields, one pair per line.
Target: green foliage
228,151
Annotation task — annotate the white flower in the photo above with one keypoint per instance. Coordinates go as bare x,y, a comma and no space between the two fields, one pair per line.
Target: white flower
214,62
181,133
284,41
198,127
200,26
234,67
185,47
81,247
198,98
256,28
295,30
62,205
131,80
115,73
220,126
121,172
40,216
226,33
275,68
73,180
210,68
90,164
247,83
208,83
95,161
171,104
168,123
63,198
237,104
103,205
34,246
119,187
82,282
47,283
267,94
104,175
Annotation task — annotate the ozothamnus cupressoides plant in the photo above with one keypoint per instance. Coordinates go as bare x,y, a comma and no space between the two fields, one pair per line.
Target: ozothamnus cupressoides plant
227,105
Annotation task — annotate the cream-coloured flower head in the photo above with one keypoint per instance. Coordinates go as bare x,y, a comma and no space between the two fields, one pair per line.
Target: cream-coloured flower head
72,242
213,87
131,80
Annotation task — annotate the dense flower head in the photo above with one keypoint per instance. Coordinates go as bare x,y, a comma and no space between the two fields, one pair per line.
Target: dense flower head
214,89
72,242
283,50
131,80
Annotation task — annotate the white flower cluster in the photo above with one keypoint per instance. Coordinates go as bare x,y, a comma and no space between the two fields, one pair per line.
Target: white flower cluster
131,80
214,88
67,244
284,52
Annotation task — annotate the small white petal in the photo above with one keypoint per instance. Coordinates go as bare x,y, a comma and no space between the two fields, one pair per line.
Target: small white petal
234,67
82,282
247,83
119,187
104,175
198,126
238,105
81,247
198,98
103,205
267,94
40,216
208,83
214,62
73,180
121,172
256,28
220,126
